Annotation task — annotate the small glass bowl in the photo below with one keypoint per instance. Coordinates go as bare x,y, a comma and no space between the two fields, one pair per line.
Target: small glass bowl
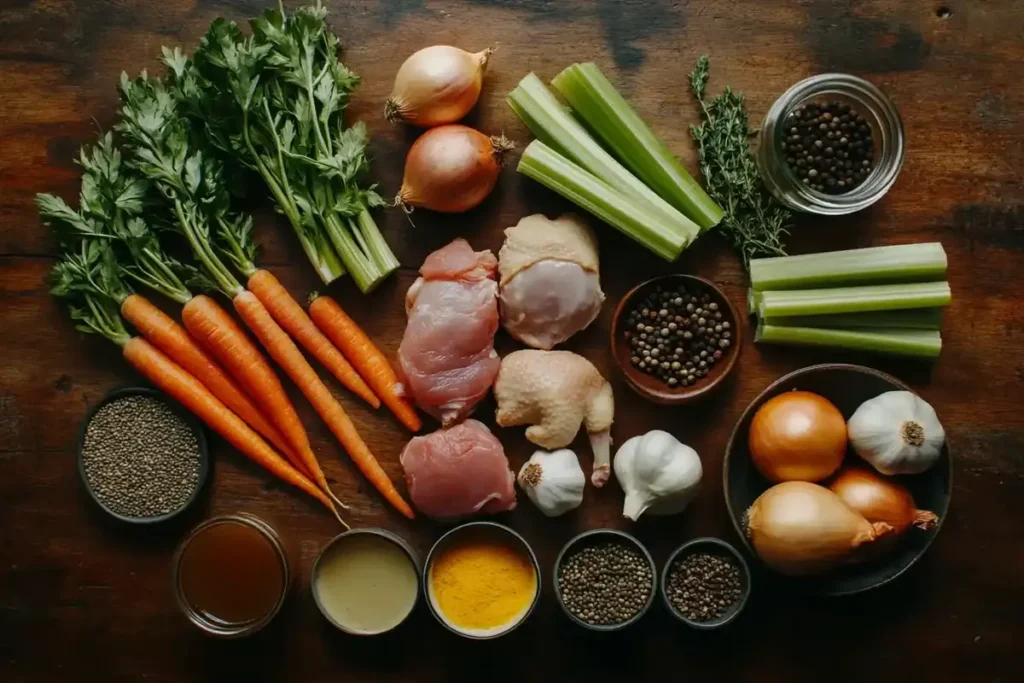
886,131
203,622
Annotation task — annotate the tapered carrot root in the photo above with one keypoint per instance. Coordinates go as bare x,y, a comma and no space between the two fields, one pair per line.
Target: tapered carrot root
290,315
167,335
364,356
284,351
218,332
200,401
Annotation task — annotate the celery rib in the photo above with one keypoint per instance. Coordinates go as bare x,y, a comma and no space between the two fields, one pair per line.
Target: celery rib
874,265
897,342
543,164
611,118
554,125
774,304
907,319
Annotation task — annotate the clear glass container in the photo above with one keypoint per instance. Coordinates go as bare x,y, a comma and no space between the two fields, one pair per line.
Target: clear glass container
206,623
886,132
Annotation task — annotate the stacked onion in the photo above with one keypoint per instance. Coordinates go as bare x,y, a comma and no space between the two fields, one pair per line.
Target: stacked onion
450,168
799,527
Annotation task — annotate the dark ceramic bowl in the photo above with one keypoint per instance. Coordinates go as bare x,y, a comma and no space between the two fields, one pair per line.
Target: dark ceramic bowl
187,417
593,537
652,388
342,538
479,527
847,386
711,546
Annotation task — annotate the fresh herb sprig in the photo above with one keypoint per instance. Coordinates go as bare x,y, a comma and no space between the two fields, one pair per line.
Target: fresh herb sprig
275,101
755,222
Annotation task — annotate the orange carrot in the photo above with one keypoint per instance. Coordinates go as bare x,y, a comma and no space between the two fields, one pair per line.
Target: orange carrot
190,392
220,334
290,315
171,338
284,351
365,356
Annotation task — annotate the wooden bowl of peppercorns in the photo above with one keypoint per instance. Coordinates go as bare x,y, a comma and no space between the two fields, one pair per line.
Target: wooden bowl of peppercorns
675,338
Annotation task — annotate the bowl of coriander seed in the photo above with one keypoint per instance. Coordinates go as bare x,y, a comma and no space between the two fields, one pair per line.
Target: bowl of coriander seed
675,338
141,456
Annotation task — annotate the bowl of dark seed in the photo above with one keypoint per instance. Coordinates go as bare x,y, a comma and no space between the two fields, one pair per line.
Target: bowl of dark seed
675,338
604,580
832,144
142,457
705,583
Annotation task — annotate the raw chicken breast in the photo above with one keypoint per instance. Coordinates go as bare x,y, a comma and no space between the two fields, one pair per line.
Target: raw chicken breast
447,357
457,472
550,288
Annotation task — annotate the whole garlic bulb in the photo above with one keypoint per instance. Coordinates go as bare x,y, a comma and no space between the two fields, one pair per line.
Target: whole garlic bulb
658,473
897,432
553,481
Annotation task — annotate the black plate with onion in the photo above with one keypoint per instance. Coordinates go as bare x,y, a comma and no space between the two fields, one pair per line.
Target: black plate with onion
847,387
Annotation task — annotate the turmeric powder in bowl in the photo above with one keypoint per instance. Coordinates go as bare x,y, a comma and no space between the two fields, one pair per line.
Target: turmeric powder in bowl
482,580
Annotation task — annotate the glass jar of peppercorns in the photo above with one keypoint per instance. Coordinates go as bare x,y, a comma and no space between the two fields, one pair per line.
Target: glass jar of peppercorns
832,144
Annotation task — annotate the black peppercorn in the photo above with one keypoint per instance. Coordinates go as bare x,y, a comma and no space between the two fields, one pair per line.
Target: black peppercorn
841,140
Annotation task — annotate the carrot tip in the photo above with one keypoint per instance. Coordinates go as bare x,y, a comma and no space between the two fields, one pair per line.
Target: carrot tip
337,501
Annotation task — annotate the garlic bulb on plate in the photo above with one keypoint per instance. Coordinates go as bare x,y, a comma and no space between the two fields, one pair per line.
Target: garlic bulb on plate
897,433
658,473
554,482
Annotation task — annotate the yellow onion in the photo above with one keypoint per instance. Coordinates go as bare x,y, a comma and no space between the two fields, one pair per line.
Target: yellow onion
880,499
799,529
451,169
436,85
797,436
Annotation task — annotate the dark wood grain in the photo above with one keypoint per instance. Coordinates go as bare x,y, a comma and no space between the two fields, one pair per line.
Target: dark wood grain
84,599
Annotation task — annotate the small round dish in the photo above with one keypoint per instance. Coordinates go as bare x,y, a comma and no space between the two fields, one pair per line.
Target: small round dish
590,538
194,425
846,386
211,624
335,545
652,388
459,533
887,134
711,546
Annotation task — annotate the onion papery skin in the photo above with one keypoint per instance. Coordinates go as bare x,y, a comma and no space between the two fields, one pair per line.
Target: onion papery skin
880,499
802,529
437,85
451,169
797,436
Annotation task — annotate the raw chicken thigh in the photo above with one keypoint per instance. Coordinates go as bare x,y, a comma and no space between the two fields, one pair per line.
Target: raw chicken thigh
550,288
457,472
447,359
556,391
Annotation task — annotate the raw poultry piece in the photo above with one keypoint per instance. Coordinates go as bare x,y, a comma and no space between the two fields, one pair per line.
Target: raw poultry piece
447,357
550,288
457,472
554,392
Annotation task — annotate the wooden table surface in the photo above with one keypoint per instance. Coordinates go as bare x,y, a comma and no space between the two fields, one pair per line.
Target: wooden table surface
82,598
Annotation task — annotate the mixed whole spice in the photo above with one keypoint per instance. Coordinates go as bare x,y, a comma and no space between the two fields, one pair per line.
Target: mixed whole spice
606,583
140,458
704,586
676,334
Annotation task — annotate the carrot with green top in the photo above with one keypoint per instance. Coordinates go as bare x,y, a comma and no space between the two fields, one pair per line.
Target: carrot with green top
97,313
364,356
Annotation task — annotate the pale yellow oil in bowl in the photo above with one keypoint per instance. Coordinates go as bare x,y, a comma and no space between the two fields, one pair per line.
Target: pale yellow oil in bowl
365,583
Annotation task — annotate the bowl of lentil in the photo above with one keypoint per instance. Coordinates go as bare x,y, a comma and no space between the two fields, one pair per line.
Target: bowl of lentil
705,583
481,580
604,580
141,456
675,338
